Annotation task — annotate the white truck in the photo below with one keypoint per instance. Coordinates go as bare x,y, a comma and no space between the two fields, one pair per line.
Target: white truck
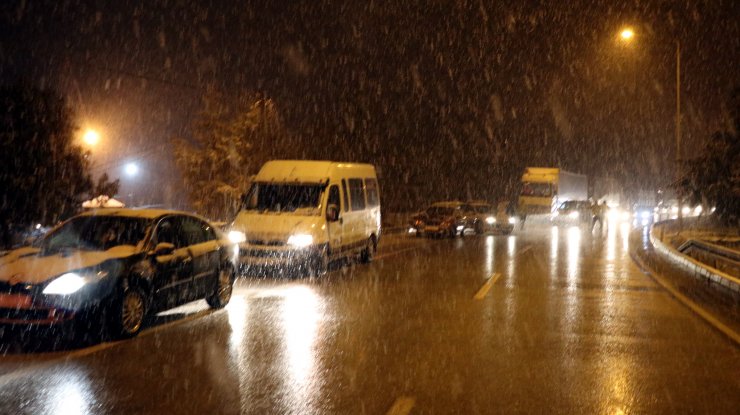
546,188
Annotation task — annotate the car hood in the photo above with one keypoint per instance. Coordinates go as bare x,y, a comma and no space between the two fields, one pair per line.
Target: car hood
275,227
25,265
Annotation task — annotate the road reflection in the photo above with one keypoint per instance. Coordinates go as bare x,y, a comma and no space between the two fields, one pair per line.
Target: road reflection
69,394
294,327
237,313
573,266
573,270
554,243
511,261
489,247
300,318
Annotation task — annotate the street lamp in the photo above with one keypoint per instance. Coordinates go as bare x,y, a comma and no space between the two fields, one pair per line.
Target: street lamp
91,138
626,35
131,169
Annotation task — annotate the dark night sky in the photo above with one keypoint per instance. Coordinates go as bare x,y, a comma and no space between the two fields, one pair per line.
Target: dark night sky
449,98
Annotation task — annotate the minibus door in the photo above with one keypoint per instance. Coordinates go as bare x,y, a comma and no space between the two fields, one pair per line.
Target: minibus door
334,220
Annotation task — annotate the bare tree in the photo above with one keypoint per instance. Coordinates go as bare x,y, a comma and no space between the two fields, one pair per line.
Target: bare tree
228,145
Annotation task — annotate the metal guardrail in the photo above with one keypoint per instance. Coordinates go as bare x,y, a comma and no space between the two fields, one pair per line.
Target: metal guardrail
694,266
722,258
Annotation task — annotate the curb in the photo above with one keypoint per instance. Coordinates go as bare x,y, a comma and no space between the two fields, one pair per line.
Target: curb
690,304
696,268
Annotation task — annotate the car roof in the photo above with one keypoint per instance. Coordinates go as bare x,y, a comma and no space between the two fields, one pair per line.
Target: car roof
136,213
311,171
447,204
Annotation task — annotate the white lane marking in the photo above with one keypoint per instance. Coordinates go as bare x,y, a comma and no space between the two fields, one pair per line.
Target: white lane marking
486,286
402,406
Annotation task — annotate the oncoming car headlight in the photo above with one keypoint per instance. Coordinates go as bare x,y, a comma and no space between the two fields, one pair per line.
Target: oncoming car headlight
72,282
300,240
574,215
237,237
512,221
490,220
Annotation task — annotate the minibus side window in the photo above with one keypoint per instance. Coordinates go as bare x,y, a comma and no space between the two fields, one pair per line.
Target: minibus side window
333,198
346,195
357,194
371,187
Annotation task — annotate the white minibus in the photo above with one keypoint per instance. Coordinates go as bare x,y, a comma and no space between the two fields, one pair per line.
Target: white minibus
301,215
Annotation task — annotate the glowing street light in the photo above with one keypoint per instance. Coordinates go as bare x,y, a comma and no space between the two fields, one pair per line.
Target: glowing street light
627,34
131,169
91,138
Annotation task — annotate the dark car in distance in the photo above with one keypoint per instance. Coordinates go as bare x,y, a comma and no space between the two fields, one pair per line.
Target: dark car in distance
116,266
573,212
444,219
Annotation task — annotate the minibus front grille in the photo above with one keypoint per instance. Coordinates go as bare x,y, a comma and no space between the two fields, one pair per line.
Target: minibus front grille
260,253
263,242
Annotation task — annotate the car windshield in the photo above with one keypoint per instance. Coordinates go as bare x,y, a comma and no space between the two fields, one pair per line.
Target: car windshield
569,205
280,198
440,211
96,233
482,208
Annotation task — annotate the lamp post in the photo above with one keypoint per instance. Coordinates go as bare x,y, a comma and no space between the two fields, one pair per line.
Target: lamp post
627,34
678,134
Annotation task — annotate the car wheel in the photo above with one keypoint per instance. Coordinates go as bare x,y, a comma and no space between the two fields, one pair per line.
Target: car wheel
366,256
128,313
224,287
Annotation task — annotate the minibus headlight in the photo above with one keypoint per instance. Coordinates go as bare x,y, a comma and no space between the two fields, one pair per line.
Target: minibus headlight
300,240
237,237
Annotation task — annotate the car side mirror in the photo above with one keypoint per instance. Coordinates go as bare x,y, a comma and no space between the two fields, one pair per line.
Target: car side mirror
163,248
332,213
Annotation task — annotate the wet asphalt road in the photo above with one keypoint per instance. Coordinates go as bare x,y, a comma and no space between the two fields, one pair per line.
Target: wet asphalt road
548,320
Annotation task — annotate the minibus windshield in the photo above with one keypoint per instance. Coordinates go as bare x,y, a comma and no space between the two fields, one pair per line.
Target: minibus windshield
284,197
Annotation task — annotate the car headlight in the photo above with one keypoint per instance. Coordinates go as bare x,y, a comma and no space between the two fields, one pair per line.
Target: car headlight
512,221
645,214
237,237
574,215
71,282
490,220
300,240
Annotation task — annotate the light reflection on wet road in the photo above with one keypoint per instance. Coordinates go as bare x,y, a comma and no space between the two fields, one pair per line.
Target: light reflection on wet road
571,325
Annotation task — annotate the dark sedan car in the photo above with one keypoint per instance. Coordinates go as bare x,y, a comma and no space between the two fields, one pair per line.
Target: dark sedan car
444,219
116,266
